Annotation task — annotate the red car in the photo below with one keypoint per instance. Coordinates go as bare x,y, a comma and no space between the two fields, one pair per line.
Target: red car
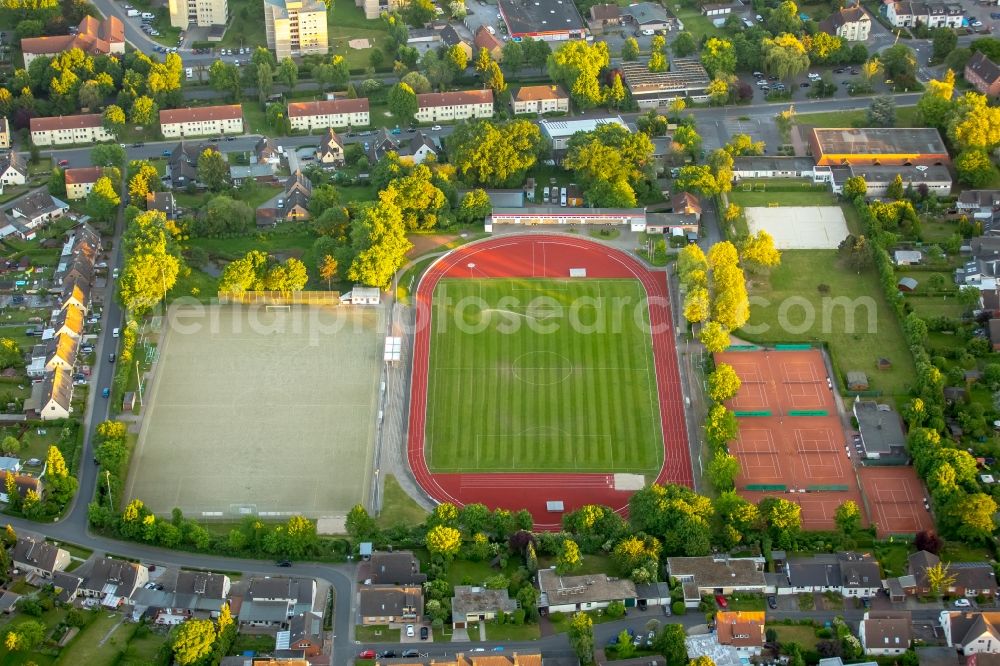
63,162
721,600
366,654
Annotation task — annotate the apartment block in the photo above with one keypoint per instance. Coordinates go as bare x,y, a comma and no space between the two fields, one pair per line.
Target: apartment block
62,130
295,27
459,105
329,113
200,121
200,13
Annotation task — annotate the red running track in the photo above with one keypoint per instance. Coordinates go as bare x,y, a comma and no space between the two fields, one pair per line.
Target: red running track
546,256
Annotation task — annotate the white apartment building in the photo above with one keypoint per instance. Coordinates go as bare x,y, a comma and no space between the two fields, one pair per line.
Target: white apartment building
459,105
907,14
200,121
295,27
540,99
325,114
201,13
62,130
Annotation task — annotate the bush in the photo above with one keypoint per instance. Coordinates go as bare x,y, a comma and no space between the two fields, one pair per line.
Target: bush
615,609
678,608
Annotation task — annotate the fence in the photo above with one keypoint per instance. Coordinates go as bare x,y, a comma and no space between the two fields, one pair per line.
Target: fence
756,412
766,487
280,297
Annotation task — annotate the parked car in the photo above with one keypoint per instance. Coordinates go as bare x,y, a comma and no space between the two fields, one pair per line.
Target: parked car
962,603
410,633
721,600
106,392
772,602
410,654
366,654
387,654
424,633
282,563
111,357
63,163
436,128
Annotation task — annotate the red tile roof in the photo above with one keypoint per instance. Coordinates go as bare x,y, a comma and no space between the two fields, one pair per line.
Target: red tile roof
93,37
66,122
83,175
201,114
535,93
327,107
457,98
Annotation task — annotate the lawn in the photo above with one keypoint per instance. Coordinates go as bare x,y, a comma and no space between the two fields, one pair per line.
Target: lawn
465,572
696,23
906,116
592,564
805,636
398,507
254,642
246,25
143,650
553,375
765,198
256,118
378,633
892,557
408,280
512,632
955,551
50,619
788,307
87,647
234,248
346,21
196,284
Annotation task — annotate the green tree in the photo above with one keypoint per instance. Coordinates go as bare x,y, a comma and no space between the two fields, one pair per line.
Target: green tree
855,187
723,383
494,154
493,77
895,189
688,139
899,63
684,45
265,81
213,170
107,154
568,558
944,42
419,12
103,200
785,56
630,50
146,278
456,58
192,641
882,112
696,305
403,102
328,268
418,82
722,471
974,167
225,77
10,446
577,65
718,57
360,526
670,643
288,72
143,111
714,336
581,637
513,56
657,62
758,251
475,206
444,541
785,18
847,517
742,145
939,577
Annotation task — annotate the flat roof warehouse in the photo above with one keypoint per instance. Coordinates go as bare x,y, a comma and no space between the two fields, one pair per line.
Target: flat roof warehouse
552,19
878,145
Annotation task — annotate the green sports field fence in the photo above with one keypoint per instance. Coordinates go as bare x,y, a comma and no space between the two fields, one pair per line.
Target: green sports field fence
742,348
758,412
808,412
793,347
766,487
830,487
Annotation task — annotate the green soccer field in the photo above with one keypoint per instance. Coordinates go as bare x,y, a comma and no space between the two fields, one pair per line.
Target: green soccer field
534,375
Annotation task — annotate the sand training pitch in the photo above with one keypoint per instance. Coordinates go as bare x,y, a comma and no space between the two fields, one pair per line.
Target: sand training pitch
800,227
241,419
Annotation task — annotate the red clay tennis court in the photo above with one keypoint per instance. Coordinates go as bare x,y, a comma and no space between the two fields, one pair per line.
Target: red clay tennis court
895,500
791,440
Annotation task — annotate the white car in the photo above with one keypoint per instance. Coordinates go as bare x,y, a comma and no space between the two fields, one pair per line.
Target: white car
976,23
115,332
436,128
962,603
647,33
409,631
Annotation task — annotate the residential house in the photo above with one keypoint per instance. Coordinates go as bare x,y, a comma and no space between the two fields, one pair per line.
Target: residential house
163,202
267,151
200,13
909,13
980,205
83,129
457,105
182,165
331,149
37,208
474,604
652,594
574,593
971,632
12,227
484,39
4,133
93,37
852,24
55,395
716,574
743,630
383,604
13,170
374,8
981,269
201,121
547,20
885,633
907,257
261,173
113,581
200,590
40,558
983,74
296,27
647,17
540,100
61,352
381,145
76,296
66,586
399,567
604,16
298,191
687,203
881,429
451,37
68,322
274,601
972,579
23,482
80,181
305,633
324,114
